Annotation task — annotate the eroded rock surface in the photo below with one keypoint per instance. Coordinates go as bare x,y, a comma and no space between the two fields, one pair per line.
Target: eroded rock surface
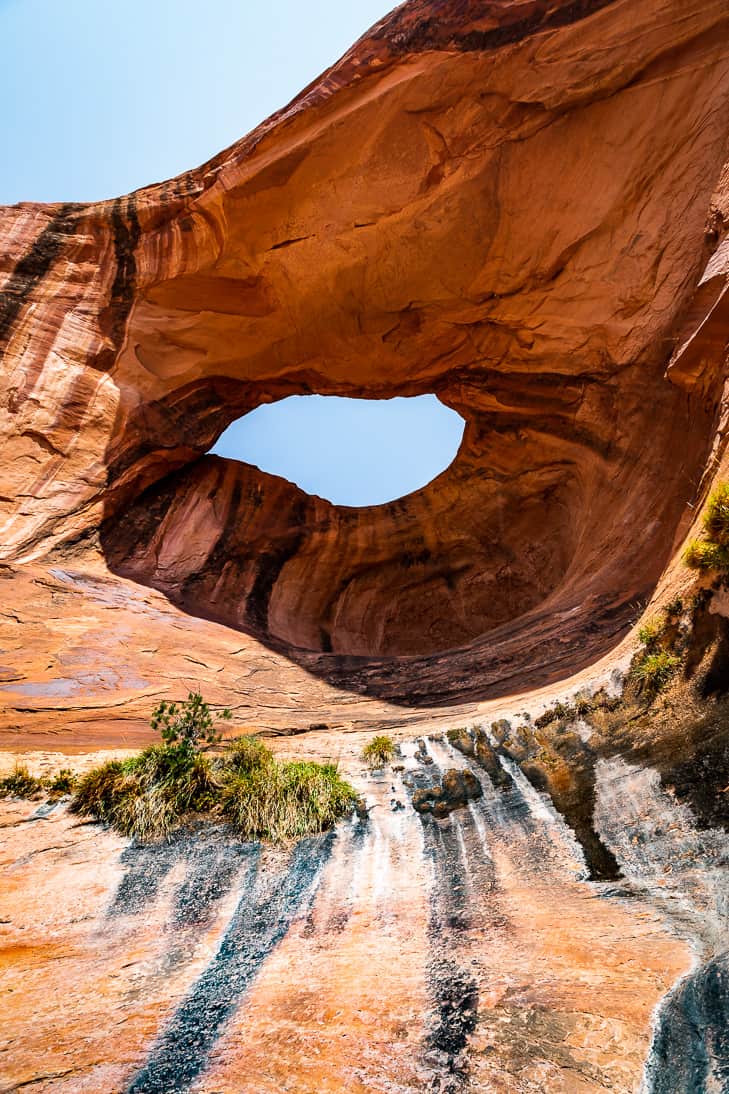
403,953
509,204
521,206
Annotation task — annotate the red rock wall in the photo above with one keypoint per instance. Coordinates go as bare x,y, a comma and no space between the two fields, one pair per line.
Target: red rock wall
509,204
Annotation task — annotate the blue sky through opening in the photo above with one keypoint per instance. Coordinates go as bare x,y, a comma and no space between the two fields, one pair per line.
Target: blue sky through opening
349,451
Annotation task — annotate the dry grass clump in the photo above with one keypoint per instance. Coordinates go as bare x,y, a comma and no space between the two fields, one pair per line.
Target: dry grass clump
378,752
284,801
21,784
716,517
151,794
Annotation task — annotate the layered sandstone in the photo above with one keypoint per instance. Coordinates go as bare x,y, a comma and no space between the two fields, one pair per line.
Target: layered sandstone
509,204
522,206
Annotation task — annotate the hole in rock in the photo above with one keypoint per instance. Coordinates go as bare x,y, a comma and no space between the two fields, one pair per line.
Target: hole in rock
354,452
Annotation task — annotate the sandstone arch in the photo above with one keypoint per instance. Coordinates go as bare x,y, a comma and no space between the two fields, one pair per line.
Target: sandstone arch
510,205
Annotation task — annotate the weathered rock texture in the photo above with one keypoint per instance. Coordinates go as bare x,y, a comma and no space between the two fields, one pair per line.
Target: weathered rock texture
517,205
521,205
405,954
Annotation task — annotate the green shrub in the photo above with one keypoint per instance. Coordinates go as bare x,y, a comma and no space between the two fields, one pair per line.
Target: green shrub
190,723
60,784
378,752
20,783
149,795
246,754
712,553
654,670
716,517
650,633
700,554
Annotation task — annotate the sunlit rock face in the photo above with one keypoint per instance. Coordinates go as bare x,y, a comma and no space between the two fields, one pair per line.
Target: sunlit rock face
402,953
522,207
507,204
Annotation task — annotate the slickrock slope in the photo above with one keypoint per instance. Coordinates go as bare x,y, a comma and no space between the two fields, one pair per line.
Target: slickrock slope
522,206
403,955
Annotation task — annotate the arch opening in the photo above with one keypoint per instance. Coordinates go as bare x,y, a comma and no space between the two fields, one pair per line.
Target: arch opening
351,452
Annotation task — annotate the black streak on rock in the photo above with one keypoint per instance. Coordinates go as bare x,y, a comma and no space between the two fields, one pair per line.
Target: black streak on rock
456,997
690,1053
428,34
269,569
33,266
261,920
146,869
113,318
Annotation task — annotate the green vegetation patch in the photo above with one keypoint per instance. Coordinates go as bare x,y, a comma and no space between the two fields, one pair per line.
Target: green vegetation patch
378,752
21,784
651,632
284,801
152,794
712,552
655,669
149,795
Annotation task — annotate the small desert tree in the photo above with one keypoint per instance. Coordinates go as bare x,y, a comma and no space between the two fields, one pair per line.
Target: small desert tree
190,724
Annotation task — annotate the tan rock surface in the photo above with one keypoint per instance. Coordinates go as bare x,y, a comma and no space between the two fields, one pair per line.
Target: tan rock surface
118,963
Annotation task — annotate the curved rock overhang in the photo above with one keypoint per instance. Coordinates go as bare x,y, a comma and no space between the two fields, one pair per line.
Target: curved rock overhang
507,204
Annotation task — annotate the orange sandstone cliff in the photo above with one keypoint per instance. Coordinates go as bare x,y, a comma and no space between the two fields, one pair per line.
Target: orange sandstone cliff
518,206
523,207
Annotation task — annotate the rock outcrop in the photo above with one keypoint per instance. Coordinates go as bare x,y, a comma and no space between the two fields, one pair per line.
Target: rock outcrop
531,226
522,206
407,953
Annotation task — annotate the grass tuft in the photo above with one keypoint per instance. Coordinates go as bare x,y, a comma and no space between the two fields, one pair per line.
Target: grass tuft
716,517
284,801
712,553
651,632
378,752
149,795
654,670
701,554
247,754
20,783
60,784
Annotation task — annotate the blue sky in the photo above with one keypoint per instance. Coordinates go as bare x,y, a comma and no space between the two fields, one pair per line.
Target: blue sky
100,97
350,451
103,96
